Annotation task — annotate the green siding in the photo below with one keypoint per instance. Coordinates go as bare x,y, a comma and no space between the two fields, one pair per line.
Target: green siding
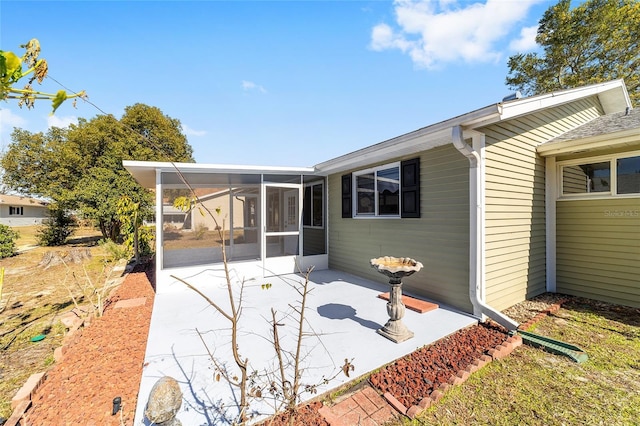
515,229
515,200
439,238
598,249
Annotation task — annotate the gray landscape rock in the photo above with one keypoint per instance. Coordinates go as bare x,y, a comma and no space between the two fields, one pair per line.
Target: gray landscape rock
164,402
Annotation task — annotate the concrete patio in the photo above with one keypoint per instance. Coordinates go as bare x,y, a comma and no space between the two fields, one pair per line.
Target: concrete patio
343,314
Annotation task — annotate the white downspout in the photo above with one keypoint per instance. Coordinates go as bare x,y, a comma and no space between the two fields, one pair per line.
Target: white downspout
551,194
476,243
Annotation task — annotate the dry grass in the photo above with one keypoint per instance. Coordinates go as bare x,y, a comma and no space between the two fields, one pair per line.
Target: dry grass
191,239
32,302
532,387
28,235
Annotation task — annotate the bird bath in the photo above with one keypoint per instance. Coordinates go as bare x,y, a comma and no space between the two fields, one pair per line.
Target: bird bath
396,268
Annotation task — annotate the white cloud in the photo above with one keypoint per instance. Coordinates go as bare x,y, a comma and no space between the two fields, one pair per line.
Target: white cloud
383,37
433,33
527,40
192,132
61,122
250,85
9,120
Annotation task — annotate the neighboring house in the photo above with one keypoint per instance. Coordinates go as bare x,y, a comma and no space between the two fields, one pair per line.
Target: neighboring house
233,209
16,210
240,215
500,204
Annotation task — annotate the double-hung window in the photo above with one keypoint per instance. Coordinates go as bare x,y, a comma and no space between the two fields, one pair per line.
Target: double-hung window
378,191
386,191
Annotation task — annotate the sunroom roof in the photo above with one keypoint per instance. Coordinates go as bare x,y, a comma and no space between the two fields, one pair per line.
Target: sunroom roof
145,171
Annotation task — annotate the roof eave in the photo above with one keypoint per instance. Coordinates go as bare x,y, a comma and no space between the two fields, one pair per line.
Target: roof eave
612,95
145,171
593,143
410,143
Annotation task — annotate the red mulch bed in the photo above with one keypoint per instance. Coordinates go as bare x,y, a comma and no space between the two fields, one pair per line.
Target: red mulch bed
415,376
102,361
105,360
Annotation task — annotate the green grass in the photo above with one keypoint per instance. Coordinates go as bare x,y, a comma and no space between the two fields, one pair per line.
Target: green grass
532,387
21,350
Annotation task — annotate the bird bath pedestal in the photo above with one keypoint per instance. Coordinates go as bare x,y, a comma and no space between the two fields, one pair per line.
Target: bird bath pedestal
396,268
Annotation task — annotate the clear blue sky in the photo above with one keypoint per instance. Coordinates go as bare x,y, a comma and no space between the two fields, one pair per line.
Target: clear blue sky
287,83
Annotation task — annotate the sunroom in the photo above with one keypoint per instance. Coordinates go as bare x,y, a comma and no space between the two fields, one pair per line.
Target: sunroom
593,209
273,218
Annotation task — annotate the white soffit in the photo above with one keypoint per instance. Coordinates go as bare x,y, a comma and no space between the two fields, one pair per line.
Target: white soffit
145,171
612,95
410,143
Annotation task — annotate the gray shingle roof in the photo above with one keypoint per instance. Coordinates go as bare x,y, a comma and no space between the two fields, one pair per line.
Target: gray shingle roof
605,124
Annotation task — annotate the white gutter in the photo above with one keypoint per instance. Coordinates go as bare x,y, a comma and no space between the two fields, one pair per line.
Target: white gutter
419,140
476,236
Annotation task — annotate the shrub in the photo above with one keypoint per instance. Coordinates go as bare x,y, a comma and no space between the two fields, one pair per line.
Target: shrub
8,239
57,228
146,240
115,251
201,231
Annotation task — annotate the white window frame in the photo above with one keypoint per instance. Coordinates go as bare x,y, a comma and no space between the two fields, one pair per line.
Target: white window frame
354,191
16,211
311,185
613,184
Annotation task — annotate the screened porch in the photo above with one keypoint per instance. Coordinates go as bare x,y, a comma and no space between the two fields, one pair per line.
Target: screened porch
274,218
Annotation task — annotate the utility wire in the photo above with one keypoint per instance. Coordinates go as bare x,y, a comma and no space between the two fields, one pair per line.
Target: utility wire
84,98
155,146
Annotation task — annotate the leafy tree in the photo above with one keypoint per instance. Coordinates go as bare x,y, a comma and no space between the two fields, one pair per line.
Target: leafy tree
80,167
8,239
594,42
11,72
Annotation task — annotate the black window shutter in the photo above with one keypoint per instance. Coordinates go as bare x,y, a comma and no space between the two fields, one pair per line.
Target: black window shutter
410,187
346,196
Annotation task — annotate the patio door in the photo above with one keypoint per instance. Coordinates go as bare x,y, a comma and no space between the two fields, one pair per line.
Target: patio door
281,237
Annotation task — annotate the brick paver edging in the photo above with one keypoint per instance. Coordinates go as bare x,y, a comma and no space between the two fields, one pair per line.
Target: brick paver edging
21,401
461,376
73,322
550,310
